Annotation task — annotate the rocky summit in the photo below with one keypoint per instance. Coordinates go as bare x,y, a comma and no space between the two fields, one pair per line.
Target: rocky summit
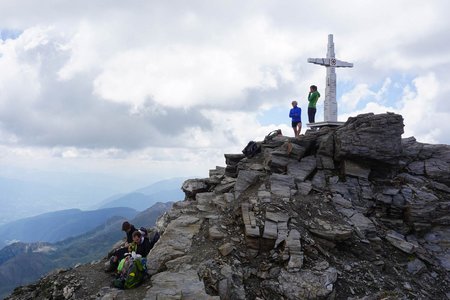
350,212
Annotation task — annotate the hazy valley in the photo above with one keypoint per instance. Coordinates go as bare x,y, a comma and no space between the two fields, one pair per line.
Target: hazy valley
33,246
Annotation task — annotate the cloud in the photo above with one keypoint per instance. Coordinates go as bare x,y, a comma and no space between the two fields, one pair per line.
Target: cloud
84,94
161,81
419,105
352,99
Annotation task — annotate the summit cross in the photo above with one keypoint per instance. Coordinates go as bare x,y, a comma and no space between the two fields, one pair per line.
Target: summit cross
330,62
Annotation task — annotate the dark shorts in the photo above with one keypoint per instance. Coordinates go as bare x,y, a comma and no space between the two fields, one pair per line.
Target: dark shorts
294,124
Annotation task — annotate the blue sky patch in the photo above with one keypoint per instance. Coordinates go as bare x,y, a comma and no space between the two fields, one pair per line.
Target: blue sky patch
6,34
276,115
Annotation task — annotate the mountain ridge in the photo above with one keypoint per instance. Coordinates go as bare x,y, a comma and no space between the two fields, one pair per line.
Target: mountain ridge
167,190
21,263
350,212
57,225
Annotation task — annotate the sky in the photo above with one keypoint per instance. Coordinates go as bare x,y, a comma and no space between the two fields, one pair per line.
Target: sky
138,91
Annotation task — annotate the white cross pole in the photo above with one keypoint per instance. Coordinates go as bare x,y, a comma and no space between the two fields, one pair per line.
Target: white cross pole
330,62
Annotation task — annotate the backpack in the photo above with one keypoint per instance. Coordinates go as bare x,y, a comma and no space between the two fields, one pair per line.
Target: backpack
153,235
131,272
272,134
251,149
144,231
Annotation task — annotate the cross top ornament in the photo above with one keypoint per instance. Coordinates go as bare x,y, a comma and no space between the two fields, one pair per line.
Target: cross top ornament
330,62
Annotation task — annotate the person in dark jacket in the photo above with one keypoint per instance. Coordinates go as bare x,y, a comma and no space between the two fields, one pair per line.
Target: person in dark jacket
129,229
143,245
118,254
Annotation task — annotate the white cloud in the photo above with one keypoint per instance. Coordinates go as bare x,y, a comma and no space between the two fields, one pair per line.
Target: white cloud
419,106
351,99
121,83
84,55
420,109
219,71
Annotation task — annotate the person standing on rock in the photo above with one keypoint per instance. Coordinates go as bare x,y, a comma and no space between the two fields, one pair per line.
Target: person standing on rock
313,96
296,115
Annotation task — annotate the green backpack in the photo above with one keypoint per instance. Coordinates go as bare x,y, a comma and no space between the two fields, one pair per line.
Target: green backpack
131,273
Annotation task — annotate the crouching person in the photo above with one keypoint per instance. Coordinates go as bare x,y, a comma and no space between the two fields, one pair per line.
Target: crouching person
116,255
142,243
132,269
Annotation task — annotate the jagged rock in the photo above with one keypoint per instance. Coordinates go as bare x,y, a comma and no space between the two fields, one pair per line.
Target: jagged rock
417,168
211,201
362,223
326,143
301,170
319,181
425,159
216,175
330,231
232,161
354,169
244,180
277,162
193,186
270,230
282,233
301,285
251,232
215,233
175,242
295,151
295,251
275,142
438,243
225,186
277,216
341,201
264,196
304,188
439,186
438,169
325,162
177,285
416,266
398,241
370,137
281,185
422,205
226,249
231,286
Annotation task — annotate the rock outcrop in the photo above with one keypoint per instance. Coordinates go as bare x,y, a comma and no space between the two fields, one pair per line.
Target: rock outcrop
353,212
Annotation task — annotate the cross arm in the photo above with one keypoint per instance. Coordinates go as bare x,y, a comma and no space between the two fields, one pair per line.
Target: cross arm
330,62
319,61
340,63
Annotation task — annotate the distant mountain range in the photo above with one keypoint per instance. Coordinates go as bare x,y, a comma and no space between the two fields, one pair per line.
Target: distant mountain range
59,225
21,263
24,198
161,191
62,238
